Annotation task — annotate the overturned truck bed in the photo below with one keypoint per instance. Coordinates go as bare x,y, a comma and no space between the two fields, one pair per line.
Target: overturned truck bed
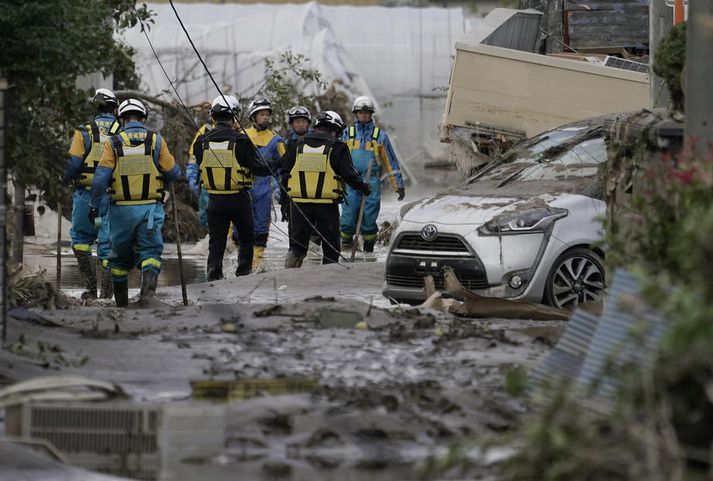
498,96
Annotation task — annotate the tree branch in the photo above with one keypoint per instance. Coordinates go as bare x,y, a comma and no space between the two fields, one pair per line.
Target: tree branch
154,100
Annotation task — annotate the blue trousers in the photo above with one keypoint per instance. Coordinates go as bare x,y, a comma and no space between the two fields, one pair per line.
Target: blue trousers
350,212
136,240
261,193
83,233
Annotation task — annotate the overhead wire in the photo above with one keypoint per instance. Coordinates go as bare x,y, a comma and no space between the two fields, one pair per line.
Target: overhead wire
257,152
190,116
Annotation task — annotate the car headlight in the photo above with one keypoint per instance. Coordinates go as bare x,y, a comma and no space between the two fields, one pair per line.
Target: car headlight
533,220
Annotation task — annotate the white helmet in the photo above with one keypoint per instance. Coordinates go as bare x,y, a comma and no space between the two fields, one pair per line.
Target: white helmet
225,104
105,97
260,103
132,105
331,119
363,103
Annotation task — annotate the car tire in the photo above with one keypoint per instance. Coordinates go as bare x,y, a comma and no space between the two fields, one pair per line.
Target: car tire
576,277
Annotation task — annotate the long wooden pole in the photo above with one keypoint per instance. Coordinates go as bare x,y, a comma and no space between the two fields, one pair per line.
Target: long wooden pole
184,294
362,206
59,242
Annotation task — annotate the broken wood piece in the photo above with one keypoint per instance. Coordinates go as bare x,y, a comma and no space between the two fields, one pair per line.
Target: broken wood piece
475,305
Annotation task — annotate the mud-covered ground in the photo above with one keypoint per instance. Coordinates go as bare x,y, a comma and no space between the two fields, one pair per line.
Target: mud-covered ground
402,385
391,386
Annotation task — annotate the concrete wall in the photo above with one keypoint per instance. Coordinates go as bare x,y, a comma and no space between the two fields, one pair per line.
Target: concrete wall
531,93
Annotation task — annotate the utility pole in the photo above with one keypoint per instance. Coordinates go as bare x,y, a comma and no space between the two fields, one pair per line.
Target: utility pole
699,74
660,23
3,237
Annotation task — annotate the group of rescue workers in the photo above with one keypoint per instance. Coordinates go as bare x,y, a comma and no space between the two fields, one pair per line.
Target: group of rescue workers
121,170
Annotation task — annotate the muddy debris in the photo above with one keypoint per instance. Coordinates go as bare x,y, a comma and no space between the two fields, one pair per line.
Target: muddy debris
35,290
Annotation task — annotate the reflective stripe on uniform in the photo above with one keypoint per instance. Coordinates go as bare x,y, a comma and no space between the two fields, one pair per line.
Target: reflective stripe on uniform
368,237
151,262
82,247
354,144
119,272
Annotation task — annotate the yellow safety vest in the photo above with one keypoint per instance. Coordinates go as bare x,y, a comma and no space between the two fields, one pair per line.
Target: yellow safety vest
221,172
136,179
99,133
371,145
312,178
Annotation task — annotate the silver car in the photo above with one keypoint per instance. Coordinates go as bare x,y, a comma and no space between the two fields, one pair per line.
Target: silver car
526,227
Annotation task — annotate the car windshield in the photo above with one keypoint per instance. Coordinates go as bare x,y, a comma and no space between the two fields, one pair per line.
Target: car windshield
552,162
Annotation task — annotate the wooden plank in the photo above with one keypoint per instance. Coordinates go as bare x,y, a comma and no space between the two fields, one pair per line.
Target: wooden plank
555,29
608,28
610,45
634,16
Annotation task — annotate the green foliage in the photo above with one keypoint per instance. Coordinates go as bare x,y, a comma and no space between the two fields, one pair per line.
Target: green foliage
669,61
288,83
47,45
516,381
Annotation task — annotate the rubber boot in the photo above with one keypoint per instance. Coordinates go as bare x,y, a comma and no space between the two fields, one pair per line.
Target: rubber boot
347,242
215,273
258,254
88,274
245,262
121,293
369,245
293,260
148,284
106,290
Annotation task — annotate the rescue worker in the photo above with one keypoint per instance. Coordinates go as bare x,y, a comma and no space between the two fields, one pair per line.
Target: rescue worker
84,154
228,164
300,120
194,178
314,172
135,166
271,148
370,149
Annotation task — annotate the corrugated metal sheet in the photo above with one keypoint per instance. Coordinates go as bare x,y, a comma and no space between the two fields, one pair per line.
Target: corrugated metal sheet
506,28
626,335
566,359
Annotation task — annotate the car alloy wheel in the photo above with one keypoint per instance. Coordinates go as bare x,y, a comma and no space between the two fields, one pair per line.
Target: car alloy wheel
576,277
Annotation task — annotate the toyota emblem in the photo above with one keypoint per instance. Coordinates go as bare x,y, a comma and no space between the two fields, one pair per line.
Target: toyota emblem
429,232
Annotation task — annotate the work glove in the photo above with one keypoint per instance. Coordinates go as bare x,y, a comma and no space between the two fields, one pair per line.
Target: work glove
401,192
365,188
94,217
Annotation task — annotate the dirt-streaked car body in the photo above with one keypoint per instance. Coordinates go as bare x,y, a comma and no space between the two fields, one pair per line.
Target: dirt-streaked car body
526,227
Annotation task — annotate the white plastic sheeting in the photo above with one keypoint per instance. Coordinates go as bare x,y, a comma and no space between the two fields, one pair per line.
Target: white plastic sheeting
400,51
377,50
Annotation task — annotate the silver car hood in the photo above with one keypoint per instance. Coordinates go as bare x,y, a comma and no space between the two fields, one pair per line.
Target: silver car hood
454,209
